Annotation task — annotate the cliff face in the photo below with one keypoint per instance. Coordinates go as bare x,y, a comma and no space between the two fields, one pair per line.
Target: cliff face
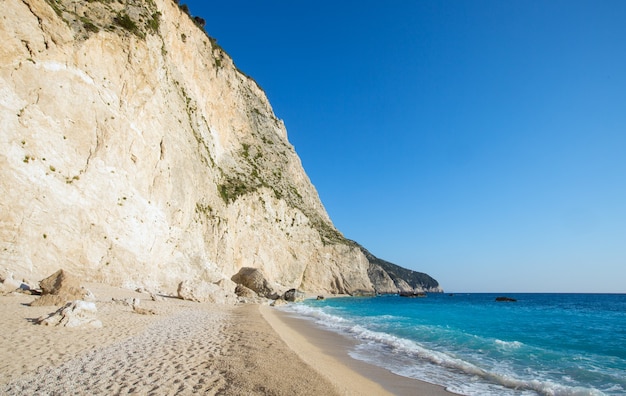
136,154
389,278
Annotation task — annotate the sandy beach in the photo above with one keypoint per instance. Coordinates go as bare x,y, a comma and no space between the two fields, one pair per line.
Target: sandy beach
327,353
185,348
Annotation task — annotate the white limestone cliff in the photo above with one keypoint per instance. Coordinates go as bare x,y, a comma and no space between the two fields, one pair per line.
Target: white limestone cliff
135,153
140,156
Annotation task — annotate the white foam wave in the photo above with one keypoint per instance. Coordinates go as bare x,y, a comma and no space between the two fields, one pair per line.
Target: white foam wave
317,314
412,349
508,344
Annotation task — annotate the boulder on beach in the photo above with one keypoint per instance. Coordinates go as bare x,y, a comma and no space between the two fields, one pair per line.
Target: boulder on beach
141,310
278,302
73,314
8,284
201,291
198,291
242,291
293,295
59,288
156,297
253,279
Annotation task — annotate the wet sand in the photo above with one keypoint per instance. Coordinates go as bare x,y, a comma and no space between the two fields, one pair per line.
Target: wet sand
327,353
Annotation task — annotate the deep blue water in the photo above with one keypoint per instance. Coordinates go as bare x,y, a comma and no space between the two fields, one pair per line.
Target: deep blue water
543,344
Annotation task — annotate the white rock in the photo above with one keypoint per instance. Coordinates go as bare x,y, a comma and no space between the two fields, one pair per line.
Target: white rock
156,297
73,314
11,284
201,291
278,303
164,163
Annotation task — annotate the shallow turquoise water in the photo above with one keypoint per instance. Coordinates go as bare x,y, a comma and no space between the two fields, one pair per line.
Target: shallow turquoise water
546,344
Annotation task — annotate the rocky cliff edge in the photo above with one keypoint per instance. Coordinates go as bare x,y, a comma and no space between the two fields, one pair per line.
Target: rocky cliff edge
136,154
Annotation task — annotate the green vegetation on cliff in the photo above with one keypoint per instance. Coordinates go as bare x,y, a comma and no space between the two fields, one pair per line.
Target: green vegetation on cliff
417,280
137,17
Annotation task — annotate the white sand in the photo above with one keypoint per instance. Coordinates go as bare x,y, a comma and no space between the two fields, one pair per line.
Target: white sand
166,353
187,348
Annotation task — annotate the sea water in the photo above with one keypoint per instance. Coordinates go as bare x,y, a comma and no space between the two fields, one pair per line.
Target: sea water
542,344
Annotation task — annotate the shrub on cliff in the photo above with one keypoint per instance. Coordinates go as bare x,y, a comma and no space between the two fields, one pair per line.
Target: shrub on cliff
124,21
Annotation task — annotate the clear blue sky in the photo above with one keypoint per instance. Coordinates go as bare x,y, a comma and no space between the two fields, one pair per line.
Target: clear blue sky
481,142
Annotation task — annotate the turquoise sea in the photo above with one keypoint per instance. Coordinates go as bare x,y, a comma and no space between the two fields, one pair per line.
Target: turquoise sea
542,344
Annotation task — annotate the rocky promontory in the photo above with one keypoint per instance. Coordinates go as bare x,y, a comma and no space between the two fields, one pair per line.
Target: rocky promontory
136,154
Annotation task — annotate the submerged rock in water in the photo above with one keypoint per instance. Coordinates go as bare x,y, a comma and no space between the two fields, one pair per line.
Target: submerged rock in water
505,299
412,294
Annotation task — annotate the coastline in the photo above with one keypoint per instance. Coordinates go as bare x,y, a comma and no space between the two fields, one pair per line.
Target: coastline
185,347
327,353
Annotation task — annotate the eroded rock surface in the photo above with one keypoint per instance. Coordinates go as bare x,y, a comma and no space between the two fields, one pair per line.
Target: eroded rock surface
138,155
